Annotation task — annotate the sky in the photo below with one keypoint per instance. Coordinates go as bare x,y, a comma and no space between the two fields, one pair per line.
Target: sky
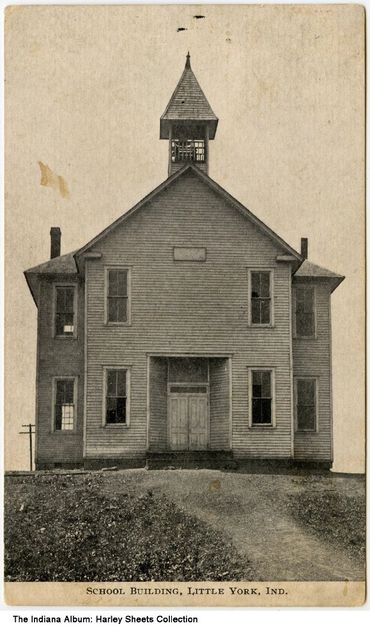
85,88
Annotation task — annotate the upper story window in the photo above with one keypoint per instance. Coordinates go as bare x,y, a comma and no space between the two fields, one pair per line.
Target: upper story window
188,150
304,311
118,306
64,404
306,403
117,381
260,305
261,392
65,311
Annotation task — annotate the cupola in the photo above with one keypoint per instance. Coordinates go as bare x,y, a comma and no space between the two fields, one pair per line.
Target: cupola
188,123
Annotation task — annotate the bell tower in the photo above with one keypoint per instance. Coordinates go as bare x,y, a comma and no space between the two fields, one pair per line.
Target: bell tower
188,123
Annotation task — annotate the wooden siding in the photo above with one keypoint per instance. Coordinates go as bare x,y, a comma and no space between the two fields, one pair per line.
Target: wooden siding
174,167
219,379
158,404
311,358
58,357
188,308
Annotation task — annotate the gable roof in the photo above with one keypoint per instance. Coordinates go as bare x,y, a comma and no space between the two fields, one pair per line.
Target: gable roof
68,263
309,270
212,185
188,102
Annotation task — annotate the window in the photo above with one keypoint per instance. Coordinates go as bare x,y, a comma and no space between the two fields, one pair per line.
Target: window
260,297
65,308
188,389
64,404
116,396
304,311
261,397
117,295
306,403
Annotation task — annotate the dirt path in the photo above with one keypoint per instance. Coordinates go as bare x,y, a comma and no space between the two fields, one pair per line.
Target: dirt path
251,509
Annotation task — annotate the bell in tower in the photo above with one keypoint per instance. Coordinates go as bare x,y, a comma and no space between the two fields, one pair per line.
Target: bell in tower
188,123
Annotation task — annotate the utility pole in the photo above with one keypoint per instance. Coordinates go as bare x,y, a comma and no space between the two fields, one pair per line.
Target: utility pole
29,432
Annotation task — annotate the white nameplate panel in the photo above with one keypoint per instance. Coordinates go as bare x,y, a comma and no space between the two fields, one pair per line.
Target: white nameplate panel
189,253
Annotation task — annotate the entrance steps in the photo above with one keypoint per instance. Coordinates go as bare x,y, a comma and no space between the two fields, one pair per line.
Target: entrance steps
191,459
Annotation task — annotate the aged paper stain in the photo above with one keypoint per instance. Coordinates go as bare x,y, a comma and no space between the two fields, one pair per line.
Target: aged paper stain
49,179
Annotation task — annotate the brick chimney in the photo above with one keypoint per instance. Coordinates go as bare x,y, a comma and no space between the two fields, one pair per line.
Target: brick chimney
55,236
304,247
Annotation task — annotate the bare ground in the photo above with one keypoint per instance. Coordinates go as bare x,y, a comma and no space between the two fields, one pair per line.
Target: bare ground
253,511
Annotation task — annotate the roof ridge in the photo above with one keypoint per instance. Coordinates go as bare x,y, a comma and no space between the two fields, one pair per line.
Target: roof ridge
174,93
249,213
202,92
136,206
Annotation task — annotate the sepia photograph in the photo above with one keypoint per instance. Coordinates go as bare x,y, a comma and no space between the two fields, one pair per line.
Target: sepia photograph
184,305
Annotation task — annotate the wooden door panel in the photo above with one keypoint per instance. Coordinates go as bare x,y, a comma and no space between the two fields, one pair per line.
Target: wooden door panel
179,424
198,422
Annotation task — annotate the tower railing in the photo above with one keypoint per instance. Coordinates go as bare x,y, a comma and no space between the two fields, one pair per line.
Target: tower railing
188,150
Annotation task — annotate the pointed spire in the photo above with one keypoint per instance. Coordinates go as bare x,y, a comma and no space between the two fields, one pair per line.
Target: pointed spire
188,102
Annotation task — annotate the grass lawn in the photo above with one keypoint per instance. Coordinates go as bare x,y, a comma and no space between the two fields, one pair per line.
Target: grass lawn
339,518
184,525
66,528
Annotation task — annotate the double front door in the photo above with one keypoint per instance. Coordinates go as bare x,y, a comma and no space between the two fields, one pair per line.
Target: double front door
188,419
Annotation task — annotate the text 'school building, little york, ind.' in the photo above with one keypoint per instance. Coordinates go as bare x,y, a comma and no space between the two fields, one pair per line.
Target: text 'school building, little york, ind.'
186,330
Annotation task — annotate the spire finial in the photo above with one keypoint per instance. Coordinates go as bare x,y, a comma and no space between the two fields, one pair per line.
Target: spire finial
187,64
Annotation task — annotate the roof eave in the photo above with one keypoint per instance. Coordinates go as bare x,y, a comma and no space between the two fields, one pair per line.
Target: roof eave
124,216
295,263
31,287
165,126
249,215
334,281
